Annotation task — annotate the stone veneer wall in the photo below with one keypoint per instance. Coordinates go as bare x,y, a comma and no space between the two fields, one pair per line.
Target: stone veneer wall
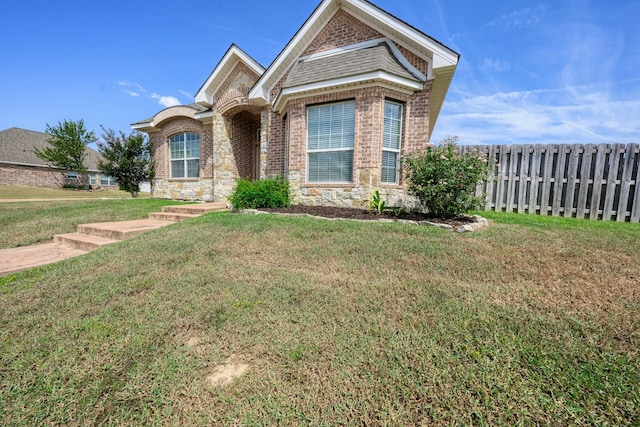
165,187
183,190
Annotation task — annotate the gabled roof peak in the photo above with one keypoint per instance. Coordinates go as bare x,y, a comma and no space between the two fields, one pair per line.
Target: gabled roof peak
229,60
390,26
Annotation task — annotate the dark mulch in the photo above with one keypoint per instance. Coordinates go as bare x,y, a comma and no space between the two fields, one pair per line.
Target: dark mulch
363,214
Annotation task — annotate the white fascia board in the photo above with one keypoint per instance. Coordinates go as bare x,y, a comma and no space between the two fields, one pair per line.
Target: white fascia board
394,81
203,99
204,115
143,126
446,55
261,93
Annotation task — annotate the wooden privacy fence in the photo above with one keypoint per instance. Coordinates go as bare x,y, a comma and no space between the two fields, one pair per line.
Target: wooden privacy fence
583,181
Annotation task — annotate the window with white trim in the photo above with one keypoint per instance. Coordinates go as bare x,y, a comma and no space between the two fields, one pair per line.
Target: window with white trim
185,155
104,179
107,180
330,140
391,142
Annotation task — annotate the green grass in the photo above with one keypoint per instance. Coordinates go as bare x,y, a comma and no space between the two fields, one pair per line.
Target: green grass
339,322
27,223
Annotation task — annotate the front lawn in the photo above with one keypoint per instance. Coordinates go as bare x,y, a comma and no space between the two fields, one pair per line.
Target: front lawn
528,322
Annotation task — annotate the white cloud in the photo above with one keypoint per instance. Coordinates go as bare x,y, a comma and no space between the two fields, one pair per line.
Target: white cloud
132,89
518,18
186,94
587,114
131,93
165,101
494,66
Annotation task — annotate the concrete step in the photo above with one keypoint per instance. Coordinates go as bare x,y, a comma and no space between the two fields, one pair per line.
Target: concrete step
171,216
82,241
122,230
25,257
196,209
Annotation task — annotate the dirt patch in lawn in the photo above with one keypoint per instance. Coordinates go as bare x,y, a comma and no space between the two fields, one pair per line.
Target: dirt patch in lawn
364,214
225,373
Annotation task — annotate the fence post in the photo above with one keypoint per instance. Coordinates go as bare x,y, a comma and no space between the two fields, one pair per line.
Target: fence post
585,180
536,162
523,178
594,208
572,171
612,181
546,180
625,182
558,180
491,159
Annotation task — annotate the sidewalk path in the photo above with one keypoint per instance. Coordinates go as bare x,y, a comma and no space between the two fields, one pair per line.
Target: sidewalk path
93,236
25,257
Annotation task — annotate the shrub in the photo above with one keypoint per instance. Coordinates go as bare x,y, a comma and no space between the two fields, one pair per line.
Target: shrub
444,180
264,193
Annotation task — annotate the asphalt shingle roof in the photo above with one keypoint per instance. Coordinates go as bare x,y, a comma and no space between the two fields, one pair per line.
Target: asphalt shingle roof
16,146
352,63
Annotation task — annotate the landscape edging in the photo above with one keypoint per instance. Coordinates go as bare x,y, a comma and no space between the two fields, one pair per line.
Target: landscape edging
478,224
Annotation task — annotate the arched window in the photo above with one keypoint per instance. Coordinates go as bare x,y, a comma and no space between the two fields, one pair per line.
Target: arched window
185,155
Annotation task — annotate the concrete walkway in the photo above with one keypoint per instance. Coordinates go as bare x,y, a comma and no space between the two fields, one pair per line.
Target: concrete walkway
93,236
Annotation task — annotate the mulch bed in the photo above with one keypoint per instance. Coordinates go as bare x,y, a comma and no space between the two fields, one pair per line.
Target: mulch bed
364,214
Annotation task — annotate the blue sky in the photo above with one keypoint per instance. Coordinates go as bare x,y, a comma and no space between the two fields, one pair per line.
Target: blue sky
557,71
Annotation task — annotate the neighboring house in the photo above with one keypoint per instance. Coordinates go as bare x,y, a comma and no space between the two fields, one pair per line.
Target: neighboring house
20,166
354,89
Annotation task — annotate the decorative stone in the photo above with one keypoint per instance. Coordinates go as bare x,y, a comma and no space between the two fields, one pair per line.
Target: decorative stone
465,228
435,224
407,221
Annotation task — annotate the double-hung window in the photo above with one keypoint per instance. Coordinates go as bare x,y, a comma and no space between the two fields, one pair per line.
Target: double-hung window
185,155
391,142
330,139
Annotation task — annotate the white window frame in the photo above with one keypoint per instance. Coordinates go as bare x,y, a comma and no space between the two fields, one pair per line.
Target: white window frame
184,159
389,149
107,181
331,150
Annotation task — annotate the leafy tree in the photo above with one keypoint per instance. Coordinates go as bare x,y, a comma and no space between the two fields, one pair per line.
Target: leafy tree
127,158
444,180
68,141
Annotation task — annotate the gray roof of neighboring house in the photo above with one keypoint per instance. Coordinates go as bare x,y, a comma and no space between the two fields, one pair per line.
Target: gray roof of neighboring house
16,146
352,63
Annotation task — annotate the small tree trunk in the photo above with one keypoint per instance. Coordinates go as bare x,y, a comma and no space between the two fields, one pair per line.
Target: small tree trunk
84,180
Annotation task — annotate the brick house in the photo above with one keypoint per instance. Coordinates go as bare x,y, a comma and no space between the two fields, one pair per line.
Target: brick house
20,166
354,89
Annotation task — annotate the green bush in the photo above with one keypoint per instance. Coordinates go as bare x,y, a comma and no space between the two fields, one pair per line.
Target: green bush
264,193
445,181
